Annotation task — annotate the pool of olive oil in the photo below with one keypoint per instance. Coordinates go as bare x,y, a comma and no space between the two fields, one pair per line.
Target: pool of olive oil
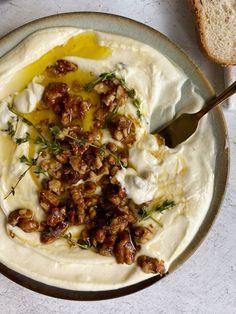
83,45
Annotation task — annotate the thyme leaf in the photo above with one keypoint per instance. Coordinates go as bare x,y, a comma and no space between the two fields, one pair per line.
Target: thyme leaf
83,244
139,115
40,170
11,130
55,130
55,147
38,140
143,213
82,141
136,102
24,139
131,93
50,232
68,238
28,161
167,204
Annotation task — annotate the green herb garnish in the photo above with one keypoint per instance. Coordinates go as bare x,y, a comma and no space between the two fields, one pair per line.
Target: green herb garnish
11,130
112,75
68,238
84,244
102,149
139,115
102,77
23,119
30,162
24,139
40,170
145,214
55,130
167,204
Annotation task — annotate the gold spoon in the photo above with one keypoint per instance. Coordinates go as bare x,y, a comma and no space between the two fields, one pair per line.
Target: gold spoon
181,128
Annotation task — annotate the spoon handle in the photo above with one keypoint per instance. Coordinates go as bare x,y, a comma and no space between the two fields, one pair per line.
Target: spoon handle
217,100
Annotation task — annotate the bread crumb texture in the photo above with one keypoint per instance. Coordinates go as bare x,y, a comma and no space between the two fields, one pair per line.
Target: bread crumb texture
216,20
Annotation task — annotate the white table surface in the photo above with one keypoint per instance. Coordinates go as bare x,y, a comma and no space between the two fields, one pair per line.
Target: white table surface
206,283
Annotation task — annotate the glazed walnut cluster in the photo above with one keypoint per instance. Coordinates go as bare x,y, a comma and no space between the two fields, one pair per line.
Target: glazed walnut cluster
81,186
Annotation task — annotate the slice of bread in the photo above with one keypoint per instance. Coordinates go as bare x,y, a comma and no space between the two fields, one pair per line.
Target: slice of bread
216,23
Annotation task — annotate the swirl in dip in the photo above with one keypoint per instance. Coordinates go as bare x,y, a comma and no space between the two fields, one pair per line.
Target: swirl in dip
159,195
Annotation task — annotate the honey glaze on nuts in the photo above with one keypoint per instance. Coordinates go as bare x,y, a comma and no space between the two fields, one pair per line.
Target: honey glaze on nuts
83,45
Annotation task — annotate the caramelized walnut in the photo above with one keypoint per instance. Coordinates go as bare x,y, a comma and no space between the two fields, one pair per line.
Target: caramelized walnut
122,129
119,223
18,214
23,219
99,202
56,215
28,225
61,67
70,176
124,249
89,187
48,199
74,108
50,234
151,265
55,95
142,234
63,157
55,186
107,248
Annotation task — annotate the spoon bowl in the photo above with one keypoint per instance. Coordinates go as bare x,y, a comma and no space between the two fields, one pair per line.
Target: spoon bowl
181,128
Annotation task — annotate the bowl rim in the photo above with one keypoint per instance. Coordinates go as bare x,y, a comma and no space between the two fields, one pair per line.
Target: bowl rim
18,35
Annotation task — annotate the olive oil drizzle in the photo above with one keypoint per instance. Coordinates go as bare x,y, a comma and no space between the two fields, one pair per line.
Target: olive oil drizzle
83,45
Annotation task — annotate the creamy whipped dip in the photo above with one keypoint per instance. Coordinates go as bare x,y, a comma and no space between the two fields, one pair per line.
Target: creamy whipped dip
184,174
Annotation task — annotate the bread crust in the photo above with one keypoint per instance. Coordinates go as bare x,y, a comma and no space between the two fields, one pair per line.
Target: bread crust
197,8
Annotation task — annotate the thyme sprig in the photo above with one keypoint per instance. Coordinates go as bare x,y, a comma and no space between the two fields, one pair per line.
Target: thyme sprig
102,149
101,78
83,244
53,146
165,205
57,132
145,214
25,120
30,162
113,75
